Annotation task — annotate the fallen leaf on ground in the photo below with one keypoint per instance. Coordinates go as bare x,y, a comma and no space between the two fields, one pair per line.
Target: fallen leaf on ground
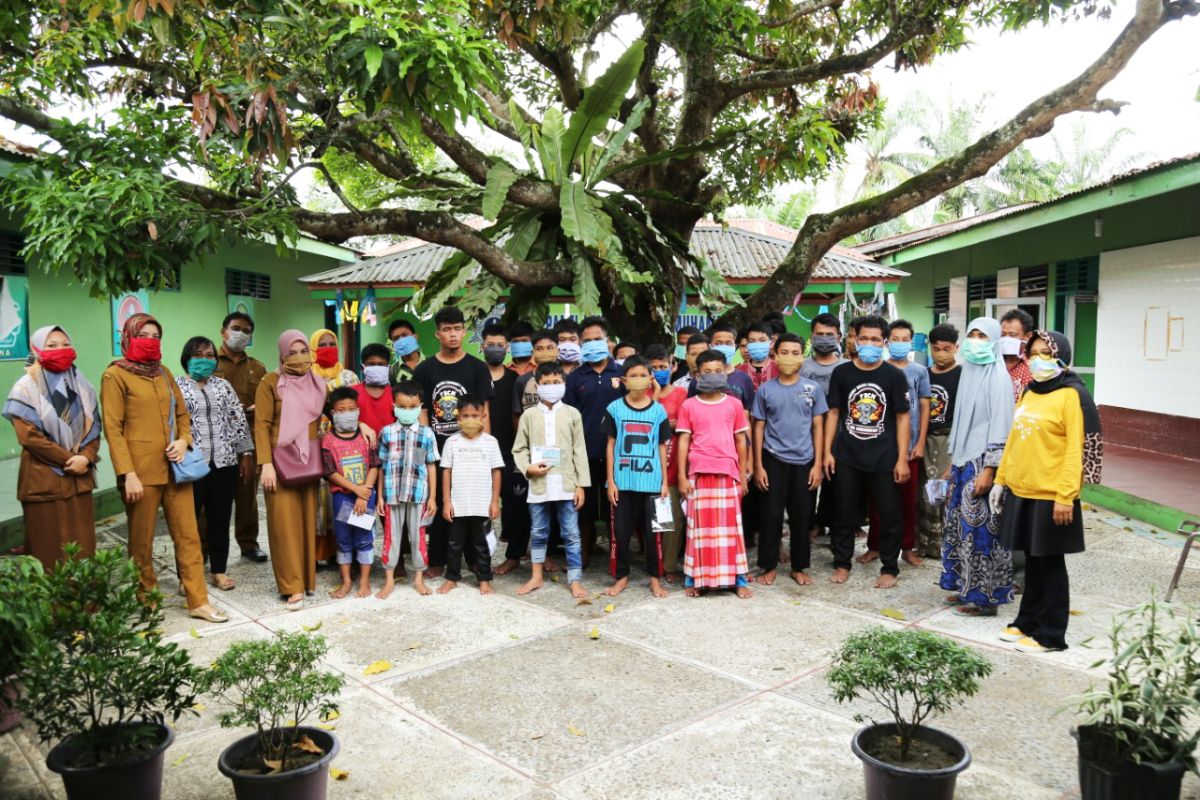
338,774
513,636
413,646
893,613
328,727
195,634
575,731
330,717
608,609
274,765
554,578
308,745
594,633
583,601
311,628
179,760
376,667
343,621
797,603
199,707
538,736
1075,612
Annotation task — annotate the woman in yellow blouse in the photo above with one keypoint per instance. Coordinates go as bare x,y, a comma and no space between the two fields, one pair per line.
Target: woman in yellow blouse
1054,446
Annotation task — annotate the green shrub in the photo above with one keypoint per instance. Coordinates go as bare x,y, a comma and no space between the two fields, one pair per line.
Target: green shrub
97,659
1146,708
274,685
22,603
913,674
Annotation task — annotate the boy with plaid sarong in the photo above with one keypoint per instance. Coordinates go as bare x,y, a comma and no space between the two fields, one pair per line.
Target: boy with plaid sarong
714,471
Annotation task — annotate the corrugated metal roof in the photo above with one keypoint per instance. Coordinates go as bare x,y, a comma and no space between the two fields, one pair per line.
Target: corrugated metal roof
16,148
739,255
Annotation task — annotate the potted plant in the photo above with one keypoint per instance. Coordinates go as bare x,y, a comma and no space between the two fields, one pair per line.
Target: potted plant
913,674
1137,730
99,679
273,686
21,601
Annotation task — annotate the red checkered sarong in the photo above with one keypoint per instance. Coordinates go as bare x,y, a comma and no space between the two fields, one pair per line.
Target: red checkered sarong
715,554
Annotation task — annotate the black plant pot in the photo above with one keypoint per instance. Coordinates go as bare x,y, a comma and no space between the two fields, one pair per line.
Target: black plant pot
1125,780
307,783
10,716
893,782
137,779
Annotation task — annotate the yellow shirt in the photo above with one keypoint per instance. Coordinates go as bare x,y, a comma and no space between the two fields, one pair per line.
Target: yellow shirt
1043,459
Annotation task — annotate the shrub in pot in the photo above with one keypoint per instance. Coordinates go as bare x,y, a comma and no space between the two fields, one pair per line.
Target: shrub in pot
1137,733
275,685
100,680
22,601
913,675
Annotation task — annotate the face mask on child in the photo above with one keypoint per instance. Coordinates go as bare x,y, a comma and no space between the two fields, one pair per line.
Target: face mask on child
375,375
568,352
408,416
551,392
345,421
521,349
788,364
726,350
470,426
709,382
494,354
594,351
758,351
899,350
404,345
662,376
637,383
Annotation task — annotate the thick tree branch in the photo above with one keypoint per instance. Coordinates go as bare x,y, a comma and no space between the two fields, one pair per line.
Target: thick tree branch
561,65
801,11
821,231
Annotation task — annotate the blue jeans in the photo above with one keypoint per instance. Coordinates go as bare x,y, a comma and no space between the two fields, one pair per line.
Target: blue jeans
353,544
568,523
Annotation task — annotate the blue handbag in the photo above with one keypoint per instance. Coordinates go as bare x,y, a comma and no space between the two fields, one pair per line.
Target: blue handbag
194,465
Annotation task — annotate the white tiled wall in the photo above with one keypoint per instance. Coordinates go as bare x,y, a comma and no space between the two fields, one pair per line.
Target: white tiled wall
1153,289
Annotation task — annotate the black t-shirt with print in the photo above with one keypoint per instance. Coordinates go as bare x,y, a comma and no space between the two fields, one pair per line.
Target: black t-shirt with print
867,402
943,386
443,385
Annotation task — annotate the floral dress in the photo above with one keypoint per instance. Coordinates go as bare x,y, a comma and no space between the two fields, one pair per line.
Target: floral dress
974,562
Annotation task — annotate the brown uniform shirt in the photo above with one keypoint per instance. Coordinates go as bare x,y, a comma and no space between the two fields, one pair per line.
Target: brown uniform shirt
36,481
136,413
244,373
266,424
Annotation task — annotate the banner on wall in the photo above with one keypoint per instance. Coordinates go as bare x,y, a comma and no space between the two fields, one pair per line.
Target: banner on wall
123,307
14,318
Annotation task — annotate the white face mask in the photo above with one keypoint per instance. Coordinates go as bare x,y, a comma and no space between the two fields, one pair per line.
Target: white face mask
1044,369
237,341
551,392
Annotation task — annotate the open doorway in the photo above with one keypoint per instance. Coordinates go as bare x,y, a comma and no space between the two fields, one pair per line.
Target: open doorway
997,307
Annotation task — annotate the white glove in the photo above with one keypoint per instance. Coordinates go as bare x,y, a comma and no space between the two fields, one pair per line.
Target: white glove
996,500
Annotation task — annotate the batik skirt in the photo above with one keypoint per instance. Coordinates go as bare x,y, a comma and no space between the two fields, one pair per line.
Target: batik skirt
974,562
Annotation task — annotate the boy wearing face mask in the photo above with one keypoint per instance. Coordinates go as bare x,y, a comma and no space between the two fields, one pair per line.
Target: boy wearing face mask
683,370
638,432
351,466
407,486
375,406
671,398
520,347
944,376
570,355
244,373
472,470
818,368
723,339
403,337
758,365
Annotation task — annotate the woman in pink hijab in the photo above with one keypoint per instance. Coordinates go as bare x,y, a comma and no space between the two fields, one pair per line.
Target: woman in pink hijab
288,405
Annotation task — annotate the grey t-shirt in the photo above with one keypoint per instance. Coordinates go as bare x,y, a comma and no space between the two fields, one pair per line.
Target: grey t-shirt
788,412
917,377
820,373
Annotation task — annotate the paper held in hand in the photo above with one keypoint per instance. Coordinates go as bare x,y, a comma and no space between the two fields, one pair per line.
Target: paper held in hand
664,520
365,521
550,456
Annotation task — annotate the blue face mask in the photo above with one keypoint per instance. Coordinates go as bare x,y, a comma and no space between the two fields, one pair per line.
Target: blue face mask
978,351
594,351
201,369
408,416
899,350
870,353
680,352
661,376
726,350
405,345
520,349
759,351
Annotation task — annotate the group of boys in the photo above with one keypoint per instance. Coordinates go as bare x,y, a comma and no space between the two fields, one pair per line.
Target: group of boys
688,454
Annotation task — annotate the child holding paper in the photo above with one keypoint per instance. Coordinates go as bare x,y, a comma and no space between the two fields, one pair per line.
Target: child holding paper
471,470
351,466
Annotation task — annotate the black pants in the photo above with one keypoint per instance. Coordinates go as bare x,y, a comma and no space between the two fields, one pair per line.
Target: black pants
787,491
514,512
883,490
634,512
822,498
752,505
1046,603
468,535
438,532
213,495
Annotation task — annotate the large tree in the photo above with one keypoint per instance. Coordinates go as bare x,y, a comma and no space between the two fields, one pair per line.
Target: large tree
174,123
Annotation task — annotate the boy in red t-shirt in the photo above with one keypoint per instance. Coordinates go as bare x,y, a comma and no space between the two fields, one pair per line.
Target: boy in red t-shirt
351,466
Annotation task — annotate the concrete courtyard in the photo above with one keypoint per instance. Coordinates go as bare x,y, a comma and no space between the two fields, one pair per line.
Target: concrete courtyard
509,697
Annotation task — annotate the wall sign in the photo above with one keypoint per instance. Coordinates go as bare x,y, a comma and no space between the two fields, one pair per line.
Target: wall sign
14,318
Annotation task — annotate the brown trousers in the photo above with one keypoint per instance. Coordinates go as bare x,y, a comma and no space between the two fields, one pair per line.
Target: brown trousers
52,524
245,519
179,509
292,532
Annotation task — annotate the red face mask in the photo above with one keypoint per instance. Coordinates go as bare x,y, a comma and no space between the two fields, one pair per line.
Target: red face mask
327,356
145,350
59,360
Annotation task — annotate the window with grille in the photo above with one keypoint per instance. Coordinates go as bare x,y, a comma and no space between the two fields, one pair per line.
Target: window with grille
941,300
11,262
1033,281
248,284
979,289
1081,276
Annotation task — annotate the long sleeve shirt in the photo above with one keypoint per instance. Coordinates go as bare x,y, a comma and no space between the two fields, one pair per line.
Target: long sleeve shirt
1043,459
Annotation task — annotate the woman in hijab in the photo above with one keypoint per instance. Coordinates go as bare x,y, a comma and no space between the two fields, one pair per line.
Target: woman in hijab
139,396
1054,448
54,412
327,360
288,408
975,566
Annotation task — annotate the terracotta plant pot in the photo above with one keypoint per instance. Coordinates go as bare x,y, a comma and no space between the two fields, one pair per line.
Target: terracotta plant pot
136,779
893,782
310,782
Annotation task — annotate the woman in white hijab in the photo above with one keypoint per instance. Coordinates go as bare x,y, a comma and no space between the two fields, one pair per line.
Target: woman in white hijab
975,565
55,414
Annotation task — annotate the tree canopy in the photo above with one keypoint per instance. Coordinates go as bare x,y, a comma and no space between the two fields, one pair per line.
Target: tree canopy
175,123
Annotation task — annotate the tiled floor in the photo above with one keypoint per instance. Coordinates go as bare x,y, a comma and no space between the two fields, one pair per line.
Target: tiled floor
508,697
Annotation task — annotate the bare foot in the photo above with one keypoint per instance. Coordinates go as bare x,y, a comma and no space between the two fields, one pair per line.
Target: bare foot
551,565
342,590
801,578
434,572
508,566
868,557
617,587
389,584
766,578
364,589
577,590
886,581
744,592
911,557
813,534
674,577
485,587
447,587
531,585
691,591
656,587
840,575
419,584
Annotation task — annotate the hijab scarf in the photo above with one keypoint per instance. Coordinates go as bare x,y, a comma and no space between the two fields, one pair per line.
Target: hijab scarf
63,406
301,397
133,326
1093,442
331,375
983,407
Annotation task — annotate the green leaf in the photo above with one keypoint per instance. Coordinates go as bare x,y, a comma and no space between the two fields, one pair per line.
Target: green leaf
524,234
481,296
444,281
618,139
715,143
499,178
373,55
583,284
550,148
579,215
601,102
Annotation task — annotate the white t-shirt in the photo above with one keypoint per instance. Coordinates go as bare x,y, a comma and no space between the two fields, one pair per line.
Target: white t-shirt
554,488
471,462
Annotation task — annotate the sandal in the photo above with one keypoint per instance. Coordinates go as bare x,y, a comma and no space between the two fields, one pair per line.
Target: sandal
295,605
952,600
212,615
222,582
974,611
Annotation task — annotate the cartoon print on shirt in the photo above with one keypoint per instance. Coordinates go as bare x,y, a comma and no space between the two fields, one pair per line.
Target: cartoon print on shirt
867,408
938,401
